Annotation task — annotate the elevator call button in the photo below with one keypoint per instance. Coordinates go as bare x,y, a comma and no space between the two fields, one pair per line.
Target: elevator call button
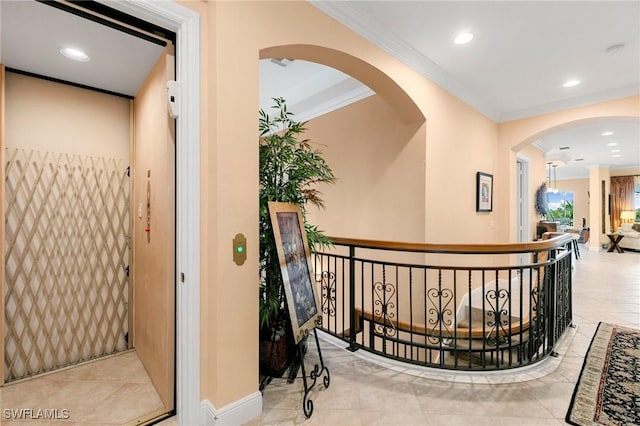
239,249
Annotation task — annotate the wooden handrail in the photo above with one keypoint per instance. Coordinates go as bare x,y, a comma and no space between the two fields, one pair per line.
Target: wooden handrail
460,332
557,240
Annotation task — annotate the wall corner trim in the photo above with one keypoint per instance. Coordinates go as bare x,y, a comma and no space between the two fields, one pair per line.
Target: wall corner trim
238,412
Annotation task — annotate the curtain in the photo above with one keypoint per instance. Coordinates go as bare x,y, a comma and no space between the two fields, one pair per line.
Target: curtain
622,192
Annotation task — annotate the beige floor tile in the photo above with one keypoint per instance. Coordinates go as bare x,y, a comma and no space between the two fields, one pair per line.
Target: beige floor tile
456,420
280,417
555,397
124,367
342,394
132,400
110,391
326,416
386,418
389,397
27,393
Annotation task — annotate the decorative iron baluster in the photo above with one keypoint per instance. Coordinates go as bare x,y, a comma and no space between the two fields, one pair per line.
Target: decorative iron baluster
328,283
497,316
440,316
384,306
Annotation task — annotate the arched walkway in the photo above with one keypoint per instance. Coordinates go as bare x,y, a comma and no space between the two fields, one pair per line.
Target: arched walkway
572,125
378,81
516,135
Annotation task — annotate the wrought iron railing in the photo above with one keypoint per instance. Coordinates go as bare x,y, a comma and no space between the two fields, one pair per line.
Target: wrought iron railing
460,307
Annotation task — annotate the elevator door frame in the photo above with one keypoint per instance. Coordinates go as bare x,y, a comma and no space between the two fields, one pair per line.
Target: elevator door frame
186,24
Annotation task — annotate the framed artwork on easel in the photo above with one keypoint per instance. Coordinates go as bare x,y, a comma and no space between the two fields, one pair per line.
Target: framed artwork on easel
301,294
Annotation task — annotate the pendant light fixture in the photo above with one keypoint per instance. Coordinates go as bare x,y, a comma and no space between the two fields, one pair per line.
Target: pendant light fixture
552,184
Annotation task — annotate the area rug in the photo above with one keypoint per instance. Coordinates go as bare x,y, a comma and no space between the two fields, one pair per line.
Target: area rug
608,389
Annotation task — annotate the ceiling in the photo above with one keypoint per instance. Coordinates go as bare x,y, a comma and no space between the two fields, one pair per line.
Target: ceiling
32,34
522,53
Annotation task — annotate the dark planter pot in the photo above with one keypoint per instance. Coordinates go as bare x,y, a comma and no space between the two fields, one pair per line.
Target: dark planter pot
275,357
277,350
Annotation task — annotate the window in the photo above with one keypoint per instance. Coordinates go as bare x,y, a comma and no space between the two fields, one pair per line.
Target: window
560,207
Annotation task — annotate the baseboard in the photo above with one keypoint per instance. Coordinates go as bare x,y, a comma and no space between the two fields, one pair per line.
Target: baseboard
236,413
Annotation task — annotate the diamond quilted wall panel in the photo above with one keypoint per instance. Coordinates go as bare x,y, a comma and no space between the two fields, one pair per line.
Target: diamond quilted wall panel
66,255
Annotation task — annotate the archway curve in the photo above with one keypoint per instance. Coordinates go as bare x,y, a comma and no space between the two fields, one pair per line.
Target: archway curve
357,68
572,124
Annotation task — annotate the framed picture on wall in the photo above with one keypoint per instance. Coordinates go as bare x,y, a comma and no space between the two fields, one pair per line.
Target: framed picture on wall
484,192
301,294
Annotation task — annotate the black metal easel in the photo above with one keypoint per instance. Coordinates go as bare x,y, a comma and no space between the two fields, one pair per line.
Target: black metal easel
298,364
316,372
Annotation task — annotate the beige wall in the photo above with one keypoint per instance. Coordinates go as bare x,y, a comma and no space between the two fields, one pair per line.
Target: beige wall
70,119
229,164
581,199
380,166
457,142
460,143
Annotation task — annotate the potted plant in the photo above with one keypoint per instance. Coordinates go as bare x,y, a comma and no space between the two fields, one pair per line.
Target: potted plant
289,169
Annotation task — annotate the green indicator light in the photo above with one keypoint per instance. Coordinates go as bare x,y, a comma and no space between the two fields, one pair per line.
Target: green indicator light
239,249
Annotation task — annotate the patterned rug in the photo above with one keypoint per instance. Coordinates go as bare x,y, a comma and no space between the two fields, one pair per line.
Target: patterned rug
608,389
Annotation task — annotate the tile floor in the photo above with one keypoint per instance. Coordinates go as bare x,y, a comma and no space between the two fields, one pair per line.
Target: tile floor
112,391
367,391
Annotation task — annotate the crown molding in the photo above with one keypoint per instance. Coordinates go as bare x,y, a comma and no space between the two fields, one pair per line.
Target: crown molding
538,144
376,33
335,103
590,99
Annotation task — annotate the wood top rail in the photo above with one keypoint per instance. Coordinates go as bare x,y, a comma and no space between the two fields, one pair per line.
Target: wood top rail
516,327
555,242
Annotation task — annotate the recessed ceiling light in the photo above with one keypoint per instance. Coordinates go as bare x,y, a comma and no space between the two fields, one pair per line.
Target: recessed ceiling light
612,144
616,155
615,150
571,83
563,148
607,133
579,159
463,38
75,54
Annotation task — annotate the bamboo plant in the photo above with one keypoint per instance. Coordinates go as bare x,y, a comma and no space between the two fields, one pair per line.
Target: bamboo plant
290,169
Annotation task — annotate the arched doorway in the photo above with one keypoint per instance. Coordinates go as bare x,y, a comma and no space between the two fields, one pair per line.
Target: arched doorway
577,159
